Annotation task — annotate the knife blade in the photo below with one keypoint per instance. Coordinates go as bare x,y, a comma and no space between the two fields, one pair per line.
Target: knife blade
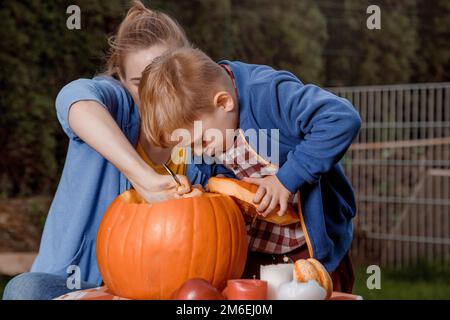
170,172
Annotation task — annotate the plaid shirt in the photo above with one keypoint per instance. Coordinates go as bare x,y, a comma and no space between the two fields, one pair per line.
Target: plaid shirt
263,236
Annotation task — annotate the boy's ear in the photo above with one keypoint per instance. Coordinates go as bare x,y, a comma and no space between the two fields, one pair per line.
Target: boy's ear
224,100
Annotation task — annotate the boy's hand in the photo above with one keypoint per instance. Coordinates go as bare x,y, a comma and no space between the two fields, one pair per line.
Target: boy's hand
271,193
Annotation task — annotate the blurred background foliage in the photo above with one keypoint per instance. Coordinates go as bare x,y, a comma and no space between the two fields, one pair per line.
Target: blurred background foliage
322,41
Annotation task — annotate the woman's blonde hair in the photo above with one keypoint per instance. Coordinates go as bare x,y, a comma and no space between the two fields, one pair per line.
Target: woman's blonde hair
142,28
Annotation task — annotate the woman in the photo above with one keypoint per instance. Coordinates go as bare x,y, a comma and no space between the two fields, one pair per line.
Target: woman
106,156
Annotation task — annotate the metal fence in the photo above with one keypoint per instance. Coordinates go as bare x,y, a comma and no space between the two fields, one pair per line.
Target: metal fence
400,169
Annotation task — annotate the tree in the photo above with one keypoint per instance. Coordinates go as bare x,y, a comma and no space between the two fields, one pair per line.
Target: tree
433,52
321,41
357,55
345,21
286,34
39,55
389,53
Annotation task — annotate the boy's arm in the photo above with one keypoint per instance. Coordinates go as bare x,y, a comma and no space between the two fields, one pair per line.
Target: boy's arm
221,170
327,124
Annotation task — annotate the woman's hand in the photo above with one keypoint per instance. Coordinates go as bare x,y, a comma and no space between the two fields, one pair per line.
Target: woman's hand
154,187
197,190
270,194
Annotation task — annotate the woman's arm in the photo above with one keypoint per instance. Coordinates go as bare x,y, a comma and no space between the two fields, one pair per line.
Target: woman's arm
93,124
92,105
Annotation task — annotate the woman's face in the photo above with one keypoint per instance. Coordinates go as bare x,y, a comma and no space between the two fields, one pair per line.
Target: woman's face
134,64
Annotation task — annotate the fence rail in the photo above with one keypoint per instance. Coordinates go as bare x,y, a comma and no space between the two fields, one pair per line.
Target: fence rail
400,168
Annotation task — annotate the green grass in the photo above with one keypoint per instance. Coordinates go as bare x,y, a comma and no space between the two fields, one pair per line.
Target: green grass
425,281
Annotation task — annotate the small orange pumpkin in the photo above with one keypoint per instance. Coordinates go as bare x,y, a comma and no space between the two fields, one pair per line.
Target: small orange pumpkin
243,193
147,251
312,269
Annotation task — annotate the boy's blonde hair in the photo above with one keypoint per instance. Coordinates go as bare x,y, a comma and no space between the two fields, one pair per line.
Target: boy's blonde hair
176,89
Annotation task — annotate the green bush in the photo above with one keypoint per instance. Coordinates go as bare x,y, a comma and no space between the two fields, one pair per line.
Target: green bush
39,55
324,42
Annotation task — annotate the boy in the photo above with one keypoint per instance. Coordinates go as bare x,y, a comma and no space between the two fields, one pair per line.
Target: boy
310,128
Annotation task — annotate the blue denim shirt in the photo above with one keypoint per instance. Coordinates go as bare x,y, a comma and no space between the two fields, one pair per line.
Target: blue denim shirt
89,182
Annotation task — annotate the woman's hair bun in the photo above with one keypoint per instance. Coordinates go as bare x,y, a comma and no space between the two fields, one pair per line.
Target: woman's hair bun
138,7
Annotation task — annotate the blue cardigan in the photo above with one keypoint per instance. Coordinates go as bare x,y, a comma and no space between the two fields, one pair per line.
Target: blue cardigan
89,183
315,130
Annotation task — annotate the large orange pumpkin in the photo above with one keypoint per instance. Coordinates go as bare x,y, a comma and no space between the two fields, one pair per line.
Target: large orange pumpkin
147,251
